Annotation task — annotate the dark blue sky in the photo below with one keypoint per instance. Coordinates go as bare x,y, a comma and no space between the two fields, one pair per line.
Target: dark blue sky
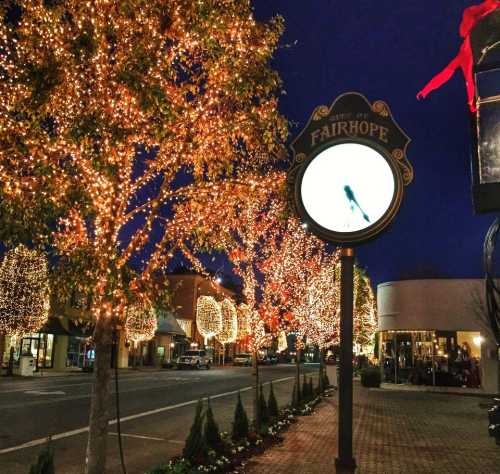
388,50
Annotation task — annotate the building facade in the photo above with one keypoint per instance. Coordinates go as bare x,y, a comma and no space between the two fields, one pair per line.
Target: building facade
65,341
435,332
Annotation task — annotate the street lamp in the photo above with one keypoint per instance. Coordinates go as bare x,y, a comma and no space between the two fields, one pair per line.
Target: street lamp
485,44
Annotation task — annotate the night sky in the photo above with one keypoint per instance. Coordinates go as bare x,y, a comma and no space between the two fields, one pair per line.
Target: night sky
389,50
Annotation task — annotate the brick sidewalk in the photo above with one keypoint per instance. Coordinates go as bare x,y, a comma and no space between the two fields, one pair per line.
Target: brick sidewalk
394,433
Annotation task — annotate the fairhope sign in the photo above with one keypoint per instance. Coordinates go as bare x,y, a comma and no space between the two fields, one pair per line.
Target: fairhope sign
353,118
350,168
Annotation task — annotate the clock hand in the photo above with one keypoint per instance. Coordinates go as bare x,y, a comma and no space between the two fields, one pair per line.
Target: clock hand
352,200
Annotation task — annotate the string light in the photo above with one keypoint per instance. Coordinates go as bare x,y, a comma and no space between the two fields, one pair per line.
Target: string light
243,319
282,341
84,86
208,317
141,322
229,326
24,292
364,311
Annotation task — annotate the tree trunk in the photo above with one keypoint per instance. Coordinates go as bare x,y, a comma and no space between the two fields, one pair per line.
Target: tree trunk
2,350
256,395
10,367
100,400
321,370
297,376
134,356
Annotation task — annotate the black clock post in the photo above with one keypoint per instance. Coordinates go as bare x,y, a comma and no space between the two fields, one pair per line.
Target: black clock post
361,143
345,457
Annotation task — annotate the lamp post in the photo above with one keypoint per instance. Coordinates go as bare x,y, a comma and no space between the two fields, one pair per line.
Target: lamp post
345,457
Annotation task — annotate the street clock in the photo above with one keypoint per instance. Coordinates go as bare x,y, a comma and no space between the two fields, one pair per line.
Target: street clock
350,170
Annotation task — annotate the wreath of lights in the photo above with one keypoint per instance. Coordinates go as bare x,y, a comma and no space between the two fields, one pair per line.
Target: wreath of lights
24,292
229,331
208,317
141,323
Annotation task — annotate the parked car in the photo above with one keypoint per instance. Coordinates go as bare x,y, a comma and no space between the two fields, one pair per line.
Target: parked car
242,359
195,359
268,360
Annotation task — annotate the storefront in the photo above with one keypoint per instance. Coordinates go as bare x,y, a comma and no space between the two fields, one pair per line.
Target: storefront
433,332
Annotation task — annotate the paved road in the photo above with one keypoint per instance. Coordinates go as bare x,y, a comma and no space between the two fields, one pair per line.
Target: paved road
157,408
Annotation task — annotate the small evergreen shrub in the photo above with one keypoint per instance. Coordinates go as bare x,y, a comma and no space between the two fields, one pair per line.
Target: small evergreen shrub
240,423
45,461
212,435
272,404
264,412
195,449
311,388
370,377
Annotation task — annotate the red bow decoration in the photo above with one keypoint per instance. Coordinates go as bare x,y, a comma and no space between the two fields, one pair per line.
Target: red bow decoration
463,60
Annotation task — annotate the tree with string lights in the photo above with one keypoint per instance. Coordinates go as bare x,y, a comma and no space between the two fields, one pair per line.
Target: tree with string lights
24,293
208,317
103,105
364,311
229,330
301,289
140,325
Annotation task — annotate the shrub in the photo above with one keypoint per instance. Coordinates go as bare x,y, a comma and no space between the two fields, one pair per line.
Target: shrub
264,412
370,377
311,388
45,461
240,423
212,434
195,449
272,404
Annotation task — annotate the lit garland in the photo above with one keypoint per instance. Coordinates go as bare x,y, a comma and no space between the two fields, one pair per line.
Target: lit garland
141,323
24,292
208,317
229,330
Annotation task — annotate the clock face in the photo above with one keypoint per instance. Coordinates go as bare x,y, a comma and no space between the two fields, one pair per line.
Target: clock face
347,188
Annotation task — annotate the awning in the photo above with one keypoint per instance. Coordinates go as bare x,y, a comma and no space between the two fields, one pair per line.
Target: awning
167,324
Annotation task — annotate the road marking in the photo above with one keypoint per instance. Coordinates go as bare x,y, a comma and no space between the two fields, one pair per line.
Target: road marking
67,434
175,441
39,392
128,435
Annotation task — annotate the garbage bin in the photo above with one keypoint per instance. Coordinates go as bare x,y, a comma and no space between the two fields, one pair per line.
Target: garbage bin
26,366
